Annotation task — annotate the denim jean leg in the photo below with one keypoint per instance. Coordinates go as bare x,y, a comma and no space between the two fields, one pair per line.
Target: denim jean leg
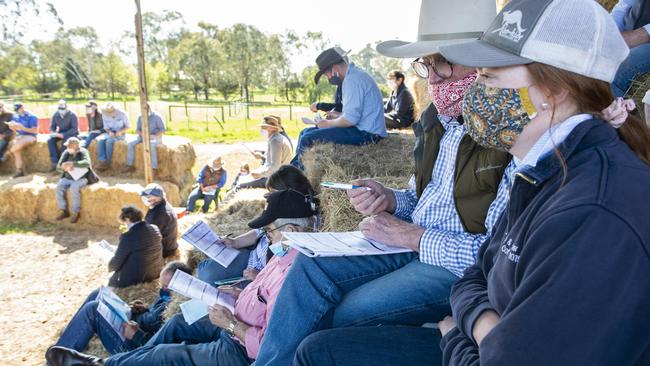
3,147
223,351
61,187
176,330
371,346
90,138
81,327
130,150
75,190
110,145
412,295
191,200
154,154
210,271
53,148
312,289
101,147
207,200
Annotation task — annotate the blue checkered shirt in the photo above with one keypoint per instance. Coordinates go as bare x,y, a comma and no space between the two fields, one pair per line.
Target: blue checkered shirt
445,242
257,256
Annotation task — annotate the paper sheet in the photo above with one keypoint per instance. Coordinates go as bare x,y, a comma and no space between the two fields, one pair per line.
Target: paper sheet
113,320
104,250
120,308
204,239
331,244
196,289
193,310
77,173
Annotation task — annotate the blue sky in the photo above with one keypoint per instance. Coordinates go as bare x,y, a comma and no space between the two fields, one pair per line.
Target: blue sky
350,23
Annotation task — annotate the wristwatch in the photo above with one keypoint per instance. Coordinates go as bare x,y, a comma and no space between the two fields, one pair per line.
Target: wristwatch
231,328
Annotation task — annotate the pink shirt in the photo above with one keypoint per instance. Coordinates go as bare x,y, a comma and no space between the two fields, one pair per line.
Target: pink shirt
251,307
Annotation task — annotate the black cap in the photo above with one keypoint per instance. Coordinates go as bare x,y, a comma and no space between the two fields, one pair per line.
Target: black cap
287,204
17,106
327,58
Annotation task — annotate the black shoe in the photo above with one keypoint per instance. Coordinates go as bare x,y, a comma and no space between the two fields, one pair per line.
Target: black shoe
19,173
61,356
63,215
75,217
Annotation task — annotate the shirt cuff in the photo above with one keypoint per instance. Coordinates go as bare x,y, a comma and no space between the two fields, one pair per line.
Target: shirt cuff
471,318
402,203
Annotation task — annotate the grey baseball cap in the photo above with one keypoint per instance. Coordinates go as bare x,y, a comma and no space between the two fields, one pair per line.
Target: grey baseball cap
576,35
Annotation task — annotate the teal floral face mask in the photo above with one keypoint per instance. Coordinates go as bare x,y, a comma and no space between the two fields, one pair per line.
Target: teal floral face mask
495,117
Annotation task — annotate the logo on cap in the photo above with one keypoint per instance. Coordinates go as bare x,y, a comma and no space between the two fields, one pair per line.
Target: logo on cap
511,27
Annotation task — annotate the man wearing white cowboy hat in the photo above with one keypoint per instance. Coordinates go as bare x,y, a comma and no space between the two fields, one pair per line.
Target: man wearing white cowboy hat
453,201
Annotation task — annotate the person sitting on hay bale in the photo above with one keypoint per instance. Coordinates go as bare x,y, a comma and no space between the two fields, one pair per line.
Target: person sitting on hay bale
633,20
243,176
398,111
211,179
362,120
73,162
6,133
253,245
278,152
63,125
222,338
162,214
95,123
456,196
337,105
25,124
156,132
145,320
138,257
116,123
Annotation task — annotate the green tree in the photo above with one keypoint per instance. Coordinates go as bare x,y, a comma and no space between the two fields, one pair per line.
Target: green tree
197,58
114,76
17,69
19,15
375,64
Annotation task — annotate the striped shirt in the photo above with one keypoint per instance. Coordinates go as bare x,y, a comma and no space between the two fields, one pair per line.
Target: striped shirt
445,242
257,256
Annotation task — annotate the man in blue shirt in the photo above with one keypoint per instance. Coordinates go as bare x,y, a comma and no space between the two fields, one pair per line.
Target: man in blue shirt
362,119
25,124
116,123
63,125
156,132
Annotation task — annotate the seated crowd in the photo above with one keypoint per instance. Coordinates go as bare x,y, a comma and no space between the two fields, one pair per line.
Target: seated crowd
525,220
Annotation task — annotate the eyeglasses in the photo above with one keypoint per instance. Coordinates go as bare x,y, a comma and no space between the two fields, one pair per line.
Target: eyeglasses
440,66
267,232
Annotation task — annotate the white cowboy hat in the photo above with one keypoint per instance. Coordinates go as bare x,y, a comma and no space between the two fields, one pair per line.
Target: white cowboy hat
443,22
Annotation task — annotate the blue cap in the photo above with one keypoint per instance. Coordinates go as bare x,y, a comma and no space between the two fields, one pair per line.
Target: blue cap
17,106
153,189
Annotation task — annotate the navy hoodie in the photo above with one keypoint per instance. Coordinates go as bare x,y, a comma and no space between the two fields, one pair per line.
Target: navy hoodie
568,266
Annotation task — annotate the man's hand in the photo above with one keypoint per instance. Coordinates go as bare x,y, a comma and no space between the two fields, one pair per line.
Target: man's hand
636,37
388,229
229,242
67,166
220,316
332,114
484,324
251,273
313,107
446,324
129,329
234,291
208,188
371,202
138,307
323,123
257,154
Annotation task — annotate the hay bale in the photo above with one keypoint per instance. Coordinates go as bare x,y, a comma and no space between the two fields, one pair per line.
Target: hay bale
640,85
393,156
174,305
175,159
32,198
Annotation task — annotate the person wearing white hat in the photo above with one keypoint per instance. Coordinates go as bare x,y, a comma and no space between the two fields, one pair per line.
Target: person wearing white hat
63,125
571,248
116,123
444,216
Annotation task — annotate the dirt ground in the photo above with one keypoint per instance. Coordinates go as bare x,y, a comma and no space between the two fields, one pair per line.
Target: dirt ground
46,275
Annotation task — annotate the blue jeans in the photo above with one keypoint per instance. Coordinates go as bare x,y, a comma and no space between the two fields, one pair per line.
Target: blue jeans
196,194
88,322
210,271
638,62
343,136
176,330
54,149
105,144
130,152
371,346
319,293
223,350
90,138
75,188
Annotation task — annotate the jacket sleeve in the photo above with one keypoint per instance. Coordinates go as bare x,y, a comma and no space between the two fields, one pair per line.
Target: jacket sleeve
201,176
85,162
585,251
52,123
325,107
121,254
62,158
222,181
74,128
404,107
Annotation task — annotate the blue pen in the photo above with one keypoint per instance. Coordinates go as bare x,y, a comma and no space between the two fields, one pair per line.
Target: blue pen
341,186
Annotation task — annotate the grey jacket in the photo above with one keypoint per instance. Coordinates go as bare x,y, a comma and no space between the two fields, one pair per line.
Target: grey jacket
278,153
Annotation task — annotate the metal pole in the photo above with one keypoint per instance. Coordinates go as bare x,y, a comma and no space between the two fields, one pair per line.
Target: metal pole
148,176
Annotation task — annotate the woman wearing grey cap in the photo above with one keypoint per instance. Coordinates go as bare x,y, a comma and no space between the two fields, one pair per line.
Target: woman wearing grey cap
563,279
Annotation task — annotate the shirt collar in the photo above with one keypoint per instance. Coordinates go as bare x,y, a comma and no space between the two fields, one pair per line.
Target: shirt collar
447,121
551,139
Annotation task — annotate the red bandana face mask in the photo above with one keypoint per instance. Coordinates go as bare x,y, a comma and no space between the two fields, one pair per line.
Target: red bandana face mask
448,96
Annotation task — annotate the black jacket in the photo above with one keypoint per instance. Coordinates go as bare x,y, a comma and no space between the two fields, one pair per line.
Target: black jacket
400,106
567,266
163,216
338,102
138,257
6,133
149,322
